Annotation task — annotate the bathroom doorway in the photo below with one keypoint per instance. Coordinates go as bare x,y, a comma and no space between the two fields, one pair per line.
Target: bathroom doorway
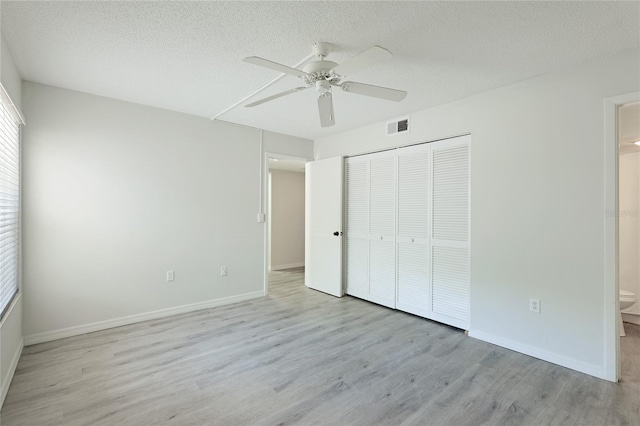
616,139
628,218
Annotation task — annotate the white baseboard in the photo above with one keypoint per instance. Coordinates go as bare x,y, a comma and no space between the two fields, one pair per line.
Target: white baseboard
632,318
132,319
6,381
287,266
591,369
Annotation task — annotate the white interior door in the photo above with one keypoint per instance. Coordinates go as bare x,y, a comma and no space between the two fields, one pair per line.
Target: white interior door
323,225
382,233
407,229
370,210
357,227
450,277
414,193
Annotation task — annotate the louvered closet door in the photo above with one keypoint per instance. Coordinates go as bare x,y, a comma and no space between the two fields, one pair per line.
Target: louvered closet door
357,227
382,220
450,278
414,186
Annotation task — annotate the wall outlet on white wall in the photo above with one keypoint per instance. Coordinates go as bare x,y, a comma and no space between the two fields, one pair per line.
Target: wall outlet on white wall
223,271
171,275
534,305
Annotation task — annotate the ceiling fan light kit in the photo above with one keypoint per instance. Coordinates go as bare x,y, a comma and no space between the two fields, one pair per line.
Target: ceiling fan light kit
323,74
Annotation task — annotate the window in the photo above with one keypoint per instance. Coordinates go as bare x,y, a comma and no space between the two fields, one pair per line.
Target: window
10,121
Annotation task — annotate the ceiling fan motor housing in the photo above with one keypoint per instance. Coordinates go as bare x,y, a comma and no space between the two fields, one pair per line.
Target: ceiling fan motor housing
320,71
323,86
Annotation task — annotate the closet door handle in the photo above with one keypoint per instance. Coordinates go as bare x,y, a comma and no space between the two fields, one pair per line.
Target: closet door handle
337,233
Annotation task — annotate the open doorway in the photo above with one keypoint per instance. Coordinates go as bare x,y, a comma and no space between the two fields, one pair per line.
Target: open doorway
617,143
285,235
628,215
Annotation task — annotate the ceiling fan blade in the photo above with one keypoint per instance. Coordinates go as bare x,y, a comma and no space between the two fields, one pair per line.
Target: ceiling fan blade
374,91
276,96
325,107
275,66
365,59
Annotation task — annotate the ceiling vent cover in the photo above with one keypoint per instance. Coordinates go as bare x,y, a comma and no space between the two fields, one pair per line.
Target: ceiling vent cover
400,126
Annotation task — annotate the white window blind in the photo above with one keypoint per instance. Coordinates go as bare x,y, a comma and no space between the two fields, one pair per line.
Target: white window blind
9,202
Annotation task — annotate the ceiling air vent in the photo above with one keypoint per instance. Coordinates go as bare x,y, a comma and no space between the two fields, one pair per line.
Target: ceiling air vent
400,126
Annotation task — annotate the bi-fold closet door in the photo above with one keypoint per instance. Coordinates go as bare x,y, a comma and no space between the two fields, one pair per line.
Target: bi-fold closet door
413,232
407,229
370,182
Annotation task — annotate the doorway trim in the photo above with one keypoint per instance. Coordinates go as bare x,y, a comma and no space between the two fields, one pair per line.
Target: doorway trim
612,286
265,207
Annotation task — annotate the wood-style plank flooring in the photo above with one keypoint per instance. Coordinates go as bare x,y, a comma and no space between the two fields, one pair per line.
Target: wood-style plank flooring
302,357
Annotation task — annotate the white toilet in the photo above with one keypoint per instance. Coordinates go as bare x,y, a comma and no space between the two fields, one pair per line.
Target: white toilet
627,299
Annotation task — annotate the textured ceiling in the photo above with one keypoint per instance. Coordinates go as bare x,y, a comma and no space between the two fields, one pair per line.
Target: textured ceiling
187,56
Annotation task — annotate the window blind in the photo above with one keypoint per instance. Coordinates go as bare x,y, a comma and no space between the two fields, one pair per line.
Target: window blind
9,203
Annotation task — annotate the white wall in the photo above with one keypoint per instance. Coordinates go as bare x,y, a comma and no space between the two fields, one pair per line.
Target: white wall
287,219
11,79
11,324
116,194
277,143
537,204
629,225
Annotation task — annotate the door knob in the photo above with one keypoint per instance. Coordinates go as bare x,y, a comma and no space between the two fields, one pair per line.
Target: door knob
337,233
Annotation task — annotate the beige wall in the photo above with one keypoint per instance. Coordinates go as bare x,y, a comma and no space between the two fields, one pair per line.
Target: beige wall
287,219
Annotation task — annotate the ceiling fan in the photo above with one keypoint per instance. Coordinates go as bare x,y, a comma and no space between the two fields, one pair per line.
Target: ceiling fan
323,74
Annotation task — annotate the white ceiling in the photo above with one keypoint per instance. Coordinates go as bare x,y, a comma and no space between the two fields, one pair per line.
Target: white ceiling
187,56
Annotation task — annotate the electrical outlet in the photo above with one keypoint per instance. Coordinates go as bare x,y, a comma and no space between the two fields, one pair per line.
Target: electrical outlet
534,305
171,275
223,271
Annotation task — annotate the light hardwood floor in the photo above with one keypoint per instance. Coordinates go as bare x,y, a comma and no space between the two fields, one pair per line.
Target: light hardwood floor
302,357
